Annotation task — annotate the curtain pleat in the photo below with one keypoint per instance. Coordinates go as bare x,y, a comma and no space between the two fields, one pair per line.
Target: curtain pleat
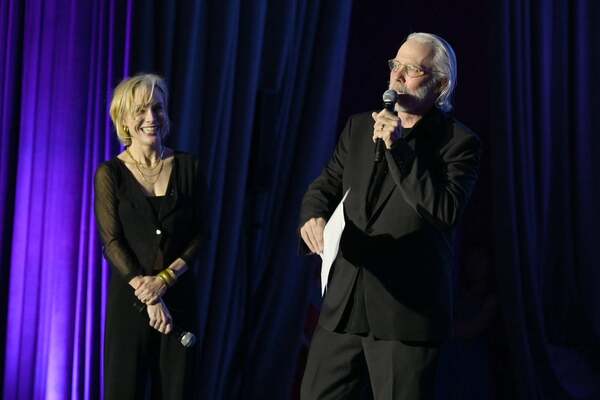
255,89
544,194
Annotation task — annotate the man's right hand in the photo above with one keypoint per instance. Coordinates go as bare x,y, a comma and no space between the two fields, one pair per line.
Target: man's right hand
312,234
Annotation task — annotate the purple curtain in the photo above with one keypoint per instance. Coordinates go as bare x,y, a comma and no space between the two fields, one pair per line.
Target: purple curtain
62,60
255,92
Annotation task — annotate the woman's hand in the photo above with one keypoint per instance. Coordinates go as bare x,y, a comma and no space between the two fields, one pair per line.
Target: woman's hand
160,318
150,289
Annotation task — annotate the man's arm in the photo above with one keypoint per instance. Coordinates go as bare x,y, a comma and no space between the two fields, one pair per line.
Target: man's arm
324,194
440,201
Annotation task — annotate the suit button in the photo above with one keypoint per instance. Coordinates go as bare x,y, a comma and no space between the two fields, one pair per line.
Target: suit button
158,232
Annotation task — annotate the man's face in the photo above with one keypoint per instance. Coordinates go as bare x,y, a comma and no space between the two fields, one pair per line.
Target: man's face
416,93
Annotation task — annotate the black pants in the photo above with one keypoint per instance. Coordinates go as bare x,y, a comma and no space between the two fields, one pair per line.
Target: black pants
140,362
339,366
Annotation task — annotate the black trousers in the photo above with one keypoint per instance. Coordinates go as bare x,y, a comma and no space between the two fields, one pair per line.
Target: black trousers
140,362
339,366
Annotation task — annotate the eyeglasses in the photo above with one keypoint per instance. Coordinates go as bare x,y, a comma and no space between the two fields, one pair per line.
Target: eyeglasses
412,71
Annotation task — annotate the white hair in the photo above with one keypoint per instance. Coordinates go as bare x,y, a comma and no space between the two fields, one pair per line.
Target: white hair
444,64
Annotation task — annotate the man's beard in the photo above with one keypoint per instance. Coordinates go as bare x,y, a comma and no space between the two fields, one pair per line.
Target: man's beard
415,100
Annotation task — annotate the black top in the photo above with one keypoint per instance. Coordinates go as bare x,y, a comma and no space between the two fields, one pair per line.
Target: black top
133,234
156,203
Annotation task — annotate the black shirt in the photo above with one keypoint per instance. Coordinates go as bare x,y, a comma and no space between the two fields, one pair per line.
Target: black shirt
156,203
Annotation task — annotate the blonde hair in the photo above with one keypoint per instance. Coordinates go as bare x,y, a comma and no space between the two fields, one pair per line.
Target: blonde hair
123,100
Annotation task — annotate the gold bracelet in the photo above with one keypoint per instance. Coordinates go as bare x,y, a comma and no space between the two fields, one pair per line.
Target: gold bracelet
170,278
163,279
172,274
166,278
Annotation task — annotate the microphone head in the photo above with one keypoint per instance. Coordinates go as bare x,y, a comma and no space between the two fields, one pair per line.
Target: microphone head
390,96
187,339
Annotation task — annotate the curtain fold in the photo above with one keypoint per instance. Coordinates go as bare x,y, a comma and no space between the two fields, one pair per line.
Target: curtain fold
545,191
11,30
71,57
255,91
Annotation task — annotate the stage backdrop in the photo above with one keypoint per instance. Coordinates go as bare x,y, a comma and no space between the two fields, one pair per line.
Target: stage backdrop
545,143
255,93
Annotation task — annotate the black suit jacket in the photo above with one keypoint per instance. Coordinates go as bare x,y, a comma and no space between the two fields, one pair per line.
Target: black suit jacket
405,247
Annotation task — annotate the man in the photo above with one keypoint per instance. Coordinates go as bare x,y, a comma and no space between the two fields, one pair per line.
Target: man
388,304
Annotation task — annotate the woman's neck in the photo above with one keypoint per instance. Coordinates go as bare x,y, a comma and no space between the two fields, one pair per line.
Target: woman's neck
147,155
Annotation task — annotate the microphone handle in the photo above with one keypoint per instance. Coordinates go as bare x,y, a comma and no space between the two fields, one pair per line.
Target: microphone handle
379,149
379,143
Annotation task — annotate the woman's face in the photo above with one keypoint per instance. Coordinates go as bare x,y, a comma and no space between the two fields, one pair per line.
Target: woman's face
147,119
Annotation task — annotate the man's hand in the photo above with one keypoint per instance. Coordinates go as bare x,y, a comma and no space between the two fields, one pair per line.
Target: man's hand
312,234
160,318
386,127
150,289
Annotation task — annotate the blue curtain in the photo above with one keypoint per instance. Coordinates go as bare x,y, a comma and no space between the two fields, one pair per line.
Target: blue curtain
255,93
545,144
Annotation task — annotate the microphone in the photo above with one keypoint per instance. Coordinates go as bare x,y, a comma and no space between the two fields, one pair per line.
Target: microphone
185,338
389,101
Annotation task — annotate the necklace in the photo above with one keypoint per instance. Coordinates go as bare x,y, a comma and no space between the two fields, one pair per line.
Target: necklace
145,176
162,152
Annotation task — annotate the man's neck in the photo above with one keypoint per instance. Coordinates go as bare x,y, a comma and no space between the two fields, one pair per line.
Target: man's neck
408,119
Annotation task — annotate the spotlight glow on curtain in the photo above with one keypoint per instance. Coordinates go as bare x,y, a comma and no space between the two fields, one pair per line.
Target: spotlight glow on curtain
72,57
255,91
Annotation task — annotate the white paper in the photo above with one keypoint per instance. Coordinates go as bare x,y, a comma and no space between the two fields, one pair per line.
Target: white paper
331,241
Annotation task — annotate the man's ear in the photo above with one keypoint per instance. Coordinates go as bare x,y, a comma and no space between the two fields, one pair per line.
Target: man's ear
442,84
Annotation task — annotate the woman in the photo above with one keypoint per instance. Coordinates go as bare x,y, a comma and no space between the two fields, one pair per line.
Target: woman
149,214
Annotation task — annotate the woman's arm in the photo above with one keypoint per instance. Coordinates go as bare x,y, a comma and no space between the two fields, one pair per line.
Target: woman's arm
114,247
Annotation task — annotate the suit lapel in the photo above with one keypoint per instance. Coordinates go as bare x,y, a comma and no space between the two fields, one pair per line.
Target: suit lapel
421,133
364,181
387,188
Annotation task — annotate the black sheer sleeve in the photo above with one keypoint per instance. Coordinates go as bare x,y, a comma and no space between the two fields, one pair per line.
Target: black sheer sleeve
114,247
201,233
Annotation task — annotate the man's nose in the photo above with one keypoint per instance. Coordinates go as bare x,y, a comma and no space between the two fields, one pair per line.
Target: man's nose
398,75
